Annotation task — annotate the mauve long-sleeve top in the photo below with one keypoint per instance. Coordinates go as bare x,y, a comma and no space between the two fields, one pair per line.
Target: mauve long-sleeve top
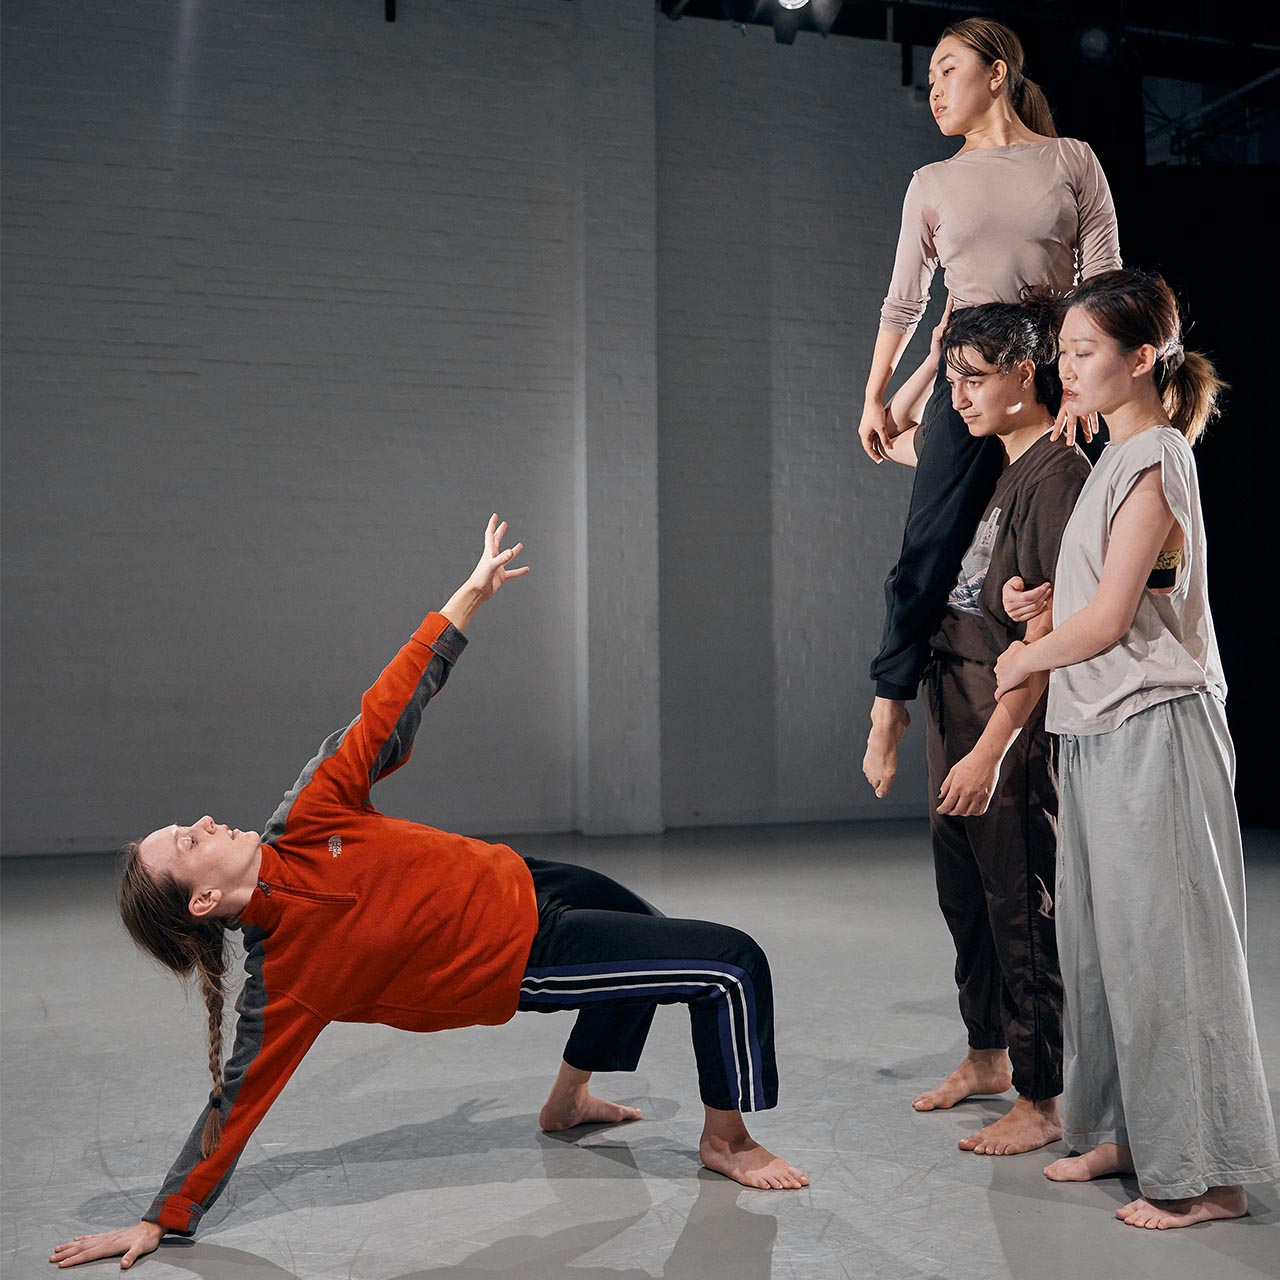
997,219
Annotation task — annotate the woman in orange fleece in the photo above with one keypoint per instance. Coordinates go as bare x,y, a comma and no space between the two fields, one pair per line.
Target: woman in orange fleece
349,915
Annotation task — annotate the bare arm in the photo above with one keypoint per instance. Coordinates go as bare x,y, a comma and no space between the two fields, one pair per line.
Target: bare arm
967,789
873,429
488,575
1138,531
905,411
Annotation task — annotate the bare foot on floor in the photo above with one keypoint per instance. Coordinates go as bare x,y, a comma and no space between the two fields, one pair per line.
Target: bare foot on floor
746,1161
984,1071
1106,1160
1163,1215
588,1109
1027,1126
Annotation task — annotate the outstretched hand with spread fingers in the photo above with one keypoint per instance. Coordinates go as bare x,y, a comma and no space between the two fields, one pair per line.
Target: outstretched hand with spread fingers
133,1242
493,568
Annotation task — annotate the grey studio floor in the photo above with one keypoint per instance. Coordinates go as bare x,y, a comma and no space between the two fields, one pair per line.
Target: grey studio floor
415,1157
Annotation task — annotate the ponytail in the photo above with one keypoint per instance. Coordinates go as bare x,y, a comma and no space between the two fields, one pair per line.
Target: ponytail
1033,108
994,42
1189,388
155,913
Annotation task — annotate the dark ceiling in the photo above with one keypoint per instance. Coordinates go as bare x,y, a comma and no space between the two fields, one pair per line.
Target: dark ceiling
1224,42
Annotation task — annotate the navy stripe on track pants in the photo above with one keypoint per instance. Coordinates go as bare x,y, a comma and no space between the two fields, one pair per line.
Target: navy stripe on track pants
604,951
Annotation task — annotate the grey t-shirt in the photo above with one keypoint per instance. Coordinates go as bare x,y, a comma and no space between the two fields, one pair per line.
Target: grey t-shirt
1170,649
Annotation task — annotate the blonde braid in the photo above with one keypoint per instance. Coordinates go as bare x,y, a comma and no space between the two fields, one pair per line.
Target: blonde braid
155,913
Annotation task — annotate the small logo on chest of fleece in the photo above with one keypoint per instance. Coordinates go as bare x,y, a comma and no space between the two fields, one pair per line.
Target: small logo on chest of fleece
335,845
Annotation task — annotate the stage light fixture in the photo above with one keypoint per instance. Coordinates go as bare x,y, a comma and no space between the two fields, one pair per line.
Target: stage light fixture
1096,44
793,4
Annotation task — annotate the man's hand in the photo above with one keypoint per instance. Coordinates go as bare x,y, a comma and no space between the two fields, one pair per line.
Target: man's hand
967,790
132,1242
1023,604
889,722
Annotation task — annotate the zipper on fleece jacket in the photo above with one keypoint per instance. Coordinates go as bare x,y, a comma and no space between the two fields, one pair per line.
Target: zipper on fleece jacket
307,894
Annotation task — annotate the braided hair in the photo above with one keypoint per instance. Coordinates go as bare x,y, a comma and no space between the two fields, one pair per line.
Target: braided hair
154,911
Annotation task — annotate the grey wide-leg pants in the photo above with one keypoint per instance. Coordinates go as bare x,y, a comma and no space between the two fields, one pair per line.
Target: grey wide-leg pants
1160,1048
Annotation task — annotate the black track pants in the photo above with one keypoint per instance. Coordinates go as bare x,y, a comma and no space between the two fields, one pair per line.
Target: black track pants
606,952
995,876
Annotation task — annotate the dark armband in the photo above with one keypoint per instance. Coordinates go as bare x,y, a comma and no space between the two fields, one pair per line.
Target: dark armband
1165,573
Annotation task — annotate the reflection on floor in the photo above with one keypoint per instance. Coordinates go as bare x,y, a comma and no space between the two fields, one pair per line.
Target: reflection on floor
410,1157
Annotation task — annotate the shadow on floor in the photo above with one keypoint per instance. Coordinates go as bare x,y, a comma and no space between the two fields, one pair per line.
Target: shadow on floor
459,1149
719,1238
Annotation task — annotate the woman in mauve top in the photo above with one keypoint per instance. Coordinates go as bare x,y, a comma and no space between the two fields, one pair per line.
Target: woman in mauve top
1015,206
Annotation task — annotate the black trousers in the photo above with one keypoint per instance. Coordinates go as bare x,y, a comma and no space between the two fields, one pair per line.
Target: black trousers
955,478
995,876
604,951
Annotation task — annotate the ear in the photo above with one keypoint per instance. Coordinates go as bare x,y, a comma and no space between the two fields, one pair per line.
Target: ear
1026,371
1144,360
999,74
204,903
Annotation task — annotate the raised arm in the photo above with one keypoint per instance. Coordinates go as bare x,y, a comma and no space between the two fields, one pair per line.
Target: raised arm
905,411
380,739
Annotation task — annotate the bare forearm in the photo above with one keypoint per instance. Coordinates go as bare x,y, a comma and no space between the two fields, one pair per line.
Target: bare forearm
462,606
884,360
906,409
1082,636
1011,714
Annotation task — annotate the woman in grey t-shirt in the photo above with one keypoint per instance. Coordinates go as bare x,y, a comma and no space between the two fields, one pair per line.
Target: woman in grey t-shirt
1163,1074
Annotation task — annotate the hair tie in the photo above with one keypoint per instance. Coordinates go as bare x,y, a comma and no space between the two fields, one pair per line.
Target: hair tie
1174,356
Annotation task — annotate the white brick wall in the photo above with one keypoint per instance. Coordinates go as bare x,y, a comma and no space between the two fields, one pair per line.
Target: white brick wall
294,297
781,179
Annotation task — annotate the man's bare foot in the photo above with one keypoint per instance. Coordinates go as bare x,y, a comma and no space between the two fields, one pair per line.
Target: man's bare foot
1162,1215
569,1104
1106,1160
1027,1126
587,1110
984,1071
889,721
746,1161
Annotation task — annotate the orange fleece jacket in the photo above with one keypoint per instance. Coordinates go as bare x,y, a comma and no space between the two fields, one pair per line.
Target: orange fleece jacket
359,917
